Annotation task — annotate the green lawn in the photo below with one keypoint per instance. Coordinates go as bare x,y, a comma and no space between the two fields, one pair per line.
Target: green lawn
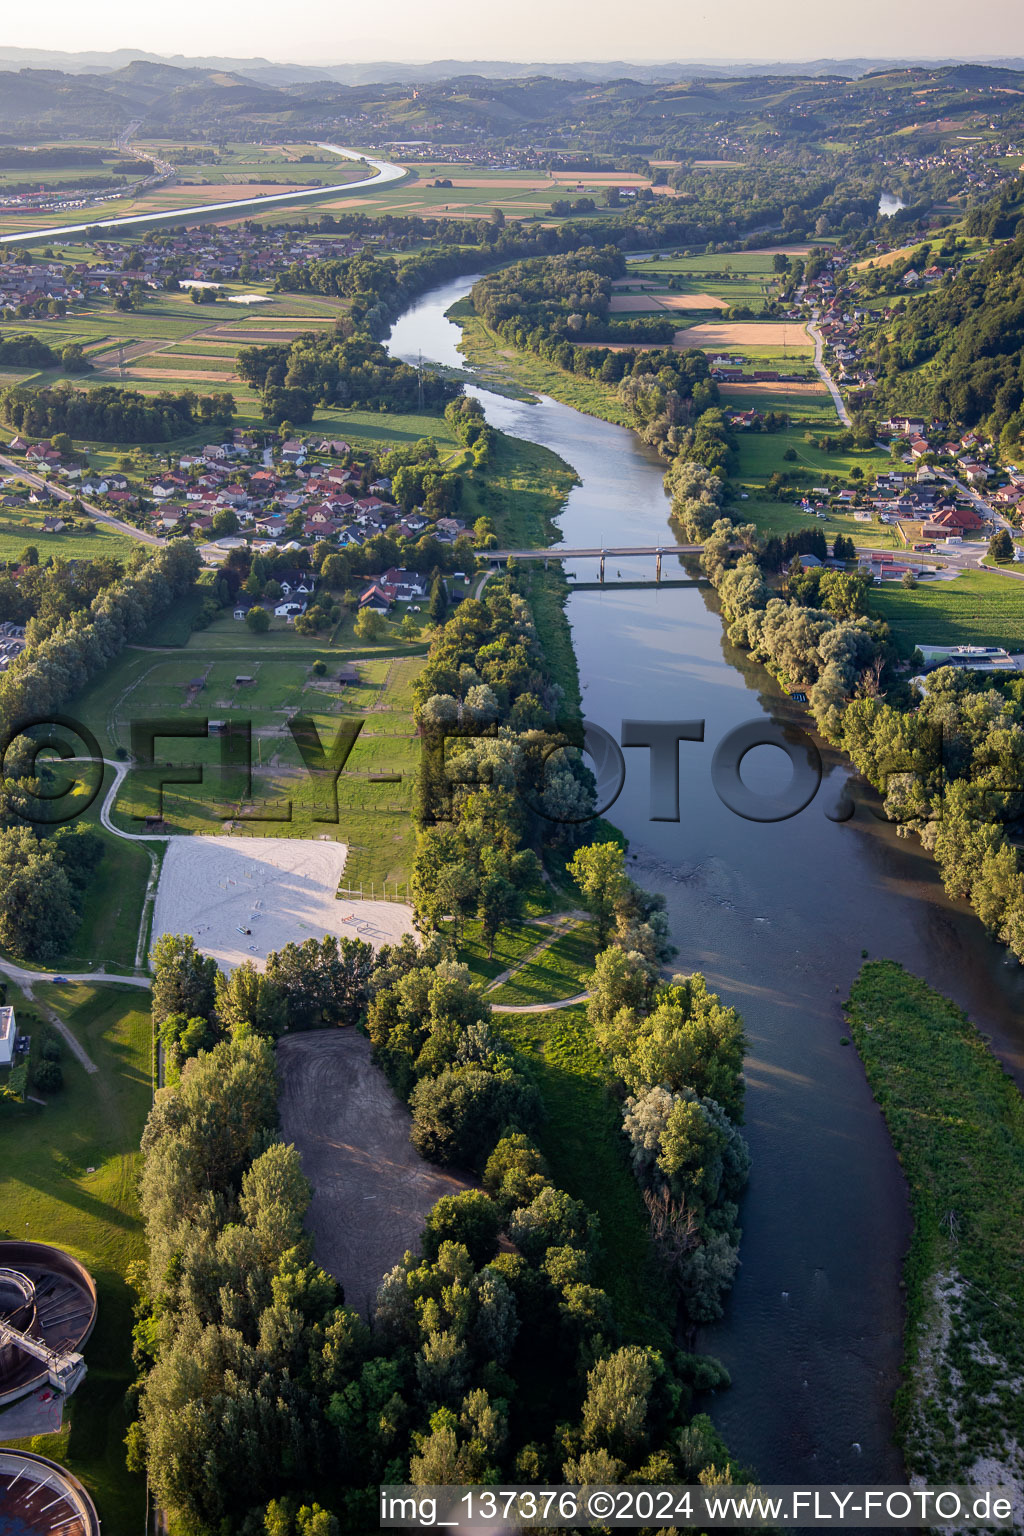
68,1177
978,608
581,1138
957,1122
560,972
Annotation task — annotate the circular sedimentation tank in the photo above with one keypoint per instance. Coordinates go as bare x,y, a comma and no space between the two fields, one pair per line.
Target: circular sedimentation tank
39,1498
49,1296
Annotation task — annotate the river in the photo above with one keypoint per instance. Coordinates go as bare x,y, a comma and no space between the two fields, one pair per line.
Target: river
777,917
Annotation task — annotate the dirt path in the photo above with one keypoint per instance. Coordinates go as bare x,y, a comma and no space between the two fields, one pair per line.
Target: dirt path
48,1014
565,1002
371,1189
561,925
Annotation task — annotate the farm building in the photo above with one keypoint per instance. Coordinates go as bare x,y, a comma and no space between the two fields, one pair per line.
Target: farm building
8,1036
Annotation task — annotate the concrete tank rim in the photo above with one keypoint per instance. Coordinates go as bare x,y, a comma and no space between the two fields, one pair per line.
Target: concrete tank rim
33,1458
46,1256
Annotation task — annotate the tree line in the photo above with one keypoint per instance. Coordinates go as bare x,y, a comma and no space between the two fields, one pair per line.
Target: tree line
320,370
111,414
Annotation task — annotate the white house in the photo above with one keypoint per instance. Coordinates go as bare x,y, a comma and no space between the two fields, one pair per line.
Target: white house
8,1036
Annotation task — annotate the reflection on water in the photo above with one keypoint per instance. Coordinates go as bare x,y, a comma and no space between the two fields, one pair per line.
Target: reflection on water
777,916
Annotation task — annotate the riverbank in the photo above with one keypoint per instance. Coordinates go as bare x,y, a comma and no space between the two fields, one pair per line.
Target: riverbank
957,1121
524,375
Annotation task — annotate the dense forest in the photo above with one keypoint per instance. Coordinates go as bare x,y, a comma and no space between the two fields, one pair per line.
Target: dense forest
110,414
967,339
312,370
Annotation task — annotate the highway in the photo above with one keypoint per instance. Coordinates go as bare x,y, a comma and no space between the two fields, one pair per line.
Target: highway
384,173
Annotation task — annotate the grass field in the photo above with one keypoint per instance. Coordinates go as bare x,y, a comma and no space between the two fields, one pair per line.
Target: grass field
582,1140
957,1122
978,608
761,455
19,529
68,1177
557,973
495,362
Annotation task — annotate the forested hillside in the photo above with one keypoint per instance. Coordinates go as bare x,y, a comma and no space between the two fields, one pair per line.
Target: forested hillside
965,341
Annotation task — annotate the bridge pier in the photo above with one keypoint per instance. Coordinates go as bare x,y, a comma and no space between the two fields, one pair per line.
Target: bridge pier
657,568
601,577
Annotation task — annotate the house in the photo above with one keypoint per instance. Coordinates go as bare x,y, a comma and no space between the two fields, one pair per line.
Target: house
297,583
54,525
290,609
806,562
376,599
293,452
402,585
8,1036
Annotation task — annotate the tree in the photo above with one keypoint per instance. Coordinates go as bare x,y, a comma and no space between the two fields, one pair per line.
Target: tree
257,621
323,982
437,610
1001,546
600,872
250,1003
500,906
370,625
184,980
471,1218
225,522
38,913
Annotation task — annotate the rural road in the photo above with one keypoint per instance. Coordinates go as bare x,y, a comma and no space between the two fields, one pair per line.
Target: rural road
823,374
64,495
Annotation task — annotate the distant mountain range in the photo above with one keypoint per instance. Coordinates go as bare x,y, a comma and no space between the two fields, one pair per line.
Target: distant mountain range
273,73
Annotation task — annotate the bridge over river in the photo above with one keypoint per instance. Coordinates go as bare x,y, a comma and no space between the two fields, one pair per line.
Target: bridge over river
597,552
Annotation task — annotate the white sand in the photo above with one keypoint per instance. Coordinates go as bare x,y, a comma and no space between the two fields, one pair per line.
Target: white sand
281,888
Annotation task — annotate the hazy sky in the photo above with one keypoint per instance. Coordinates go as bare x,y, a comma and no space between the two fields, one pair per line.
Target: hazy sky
316,31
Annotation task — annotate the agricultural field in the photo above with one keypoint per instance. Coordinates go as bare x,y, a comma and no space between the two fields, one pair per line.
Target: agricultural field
249,179
772,340
171,339
978,608
68,1177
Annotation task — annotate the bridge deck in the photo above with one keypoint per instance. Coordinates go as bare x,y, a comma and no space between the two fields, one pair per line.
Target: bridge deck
561,552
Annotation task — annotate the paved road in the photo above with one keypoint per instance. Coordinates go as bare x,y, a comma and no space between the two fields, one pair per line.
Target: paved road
61,494
383,173
826,378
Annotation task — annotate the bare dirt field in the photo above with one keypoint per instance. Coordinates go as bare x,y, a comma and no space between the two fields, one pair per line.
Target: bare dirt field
371,1189
720,334
629,303
280,889
691,301
774,387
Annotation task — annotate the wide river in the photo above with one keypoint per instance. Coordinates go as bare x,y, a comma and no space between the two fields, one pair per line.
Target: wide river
777,916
